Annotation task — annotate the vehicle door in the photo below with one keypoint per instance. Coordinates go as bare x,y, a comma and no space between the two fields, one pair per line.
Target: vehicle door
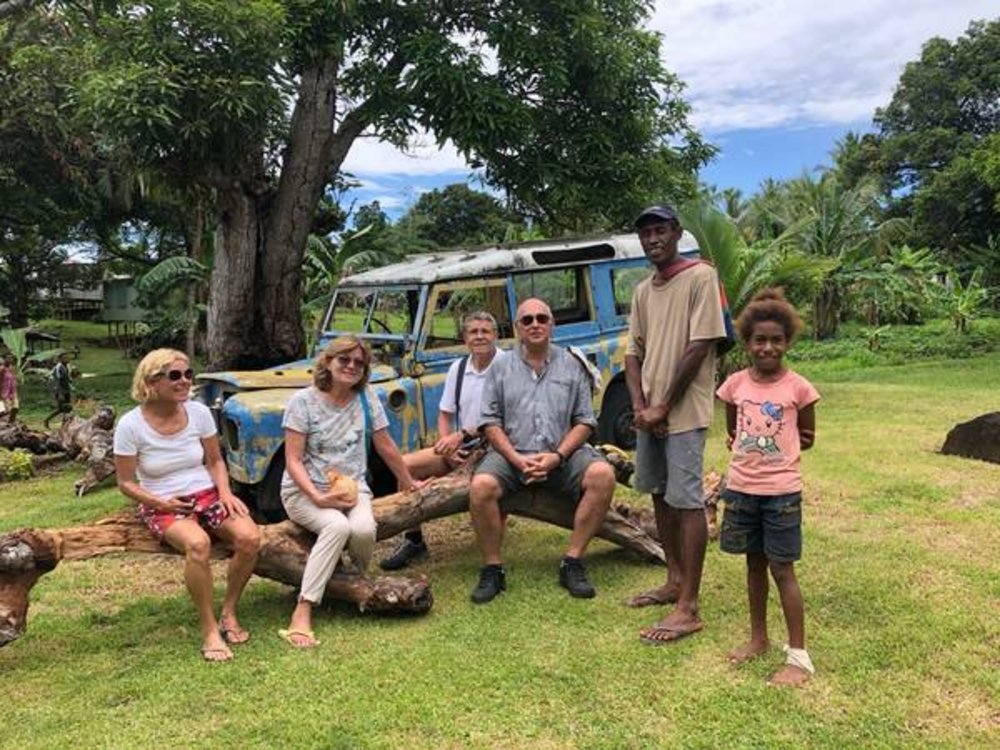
440,341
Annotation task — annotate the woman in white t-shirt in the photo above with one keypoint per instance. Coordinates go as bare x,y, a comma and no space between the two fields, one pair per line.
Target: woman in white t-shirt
327,428
168,460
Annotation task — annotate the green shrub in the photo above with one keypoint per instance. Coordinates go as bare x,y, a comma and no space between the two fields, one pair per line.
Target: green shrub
16,464
899,344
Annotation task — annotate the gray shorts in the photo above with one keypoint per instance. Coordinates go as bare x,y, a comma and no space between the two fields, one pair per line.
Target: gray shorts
672,467
567,479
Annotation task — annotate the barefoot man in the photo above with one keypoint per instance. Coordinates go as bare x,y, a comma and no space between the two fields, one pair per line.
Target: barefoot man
675,322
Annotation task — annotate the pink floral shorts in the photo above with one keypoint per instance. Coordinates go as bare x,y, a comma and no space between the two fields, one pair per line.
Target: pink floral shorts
208,511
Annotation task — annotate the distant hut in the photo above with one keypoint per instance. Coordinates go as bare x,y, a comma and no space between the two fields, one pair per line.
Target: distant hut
121,311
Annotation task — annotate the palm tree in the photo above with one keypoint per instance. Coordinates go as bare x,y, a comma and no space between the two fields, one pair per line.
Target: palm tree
825,220
743,268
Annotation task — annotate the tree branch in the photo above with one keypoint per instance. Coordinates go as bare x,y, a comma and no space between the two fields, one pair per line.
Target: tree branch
11,7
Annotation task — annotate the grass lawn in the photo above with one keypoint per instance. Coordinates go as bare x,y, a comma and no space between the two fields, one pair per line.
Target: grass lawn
901,577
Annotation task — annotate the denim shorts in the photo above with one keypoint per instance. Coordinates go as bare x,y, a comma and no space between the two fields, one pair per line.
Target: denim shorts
671,467
771,524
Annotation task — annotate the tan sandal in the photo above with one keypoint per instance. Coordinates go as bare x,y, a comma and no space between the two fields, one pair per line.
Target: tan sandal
288,635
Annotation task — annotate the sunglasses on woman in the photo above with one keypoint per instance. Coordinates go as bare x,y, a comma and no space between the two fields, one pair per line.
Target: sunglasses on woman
542,318
175,375
344,361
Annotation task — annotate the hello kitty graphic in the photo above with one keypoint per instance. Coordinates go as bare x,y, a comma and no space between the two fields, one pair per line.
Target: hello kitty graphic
758,425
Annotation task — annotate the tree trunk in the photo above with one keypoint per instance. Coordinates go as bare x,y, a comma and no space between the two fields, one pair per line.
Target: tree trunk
196,241
26,555
255,311
231,335
826,311
18,299
305,172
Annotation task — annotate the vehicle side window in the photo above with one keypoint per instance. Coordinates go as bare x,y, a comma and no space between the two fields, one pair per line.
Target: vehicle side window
624,281
351,310
453,304
394,312
391,311
564,289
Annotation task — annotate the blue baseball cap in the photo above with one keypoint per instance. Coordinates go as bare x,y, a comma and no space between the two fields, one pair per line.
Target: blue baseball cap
654,214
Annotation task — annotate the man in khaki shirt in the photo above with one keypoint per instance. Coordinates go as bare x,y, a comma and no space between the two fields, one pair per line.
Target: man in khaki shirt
675,323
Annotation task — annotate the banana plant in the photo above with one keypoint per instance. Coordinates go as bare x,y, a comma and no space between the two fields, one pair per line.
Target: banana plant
16,341
965,302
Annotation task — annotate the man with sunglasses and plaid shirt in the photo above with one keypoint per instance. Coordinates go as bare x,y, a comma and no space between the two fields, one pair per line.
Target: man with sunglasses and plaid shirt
537,415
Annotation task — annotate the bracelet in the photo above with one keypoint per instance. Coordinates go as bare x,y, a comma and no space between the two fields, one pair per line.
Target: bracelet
562,458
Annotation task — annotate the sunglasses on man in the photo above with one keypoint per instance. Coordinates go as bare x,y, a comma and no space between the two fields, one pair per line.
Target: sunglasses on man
175,375
527,320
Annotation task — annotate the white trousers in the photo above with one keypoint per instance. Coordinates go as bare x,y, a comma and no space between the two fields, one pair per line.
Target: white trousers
334,530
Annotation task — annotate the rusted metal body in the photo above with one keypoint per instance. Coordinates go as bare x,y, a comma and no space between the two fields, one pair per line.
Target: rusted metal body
410,314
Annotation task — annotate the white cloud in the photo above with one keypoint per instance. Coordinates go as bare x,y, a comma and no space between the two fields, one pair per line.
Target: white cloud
390,201
371,157
753,64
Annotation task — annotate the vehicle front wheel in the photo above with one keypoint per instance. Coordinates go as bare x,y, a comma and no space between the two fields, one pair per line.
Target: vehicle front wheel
615,424
267,493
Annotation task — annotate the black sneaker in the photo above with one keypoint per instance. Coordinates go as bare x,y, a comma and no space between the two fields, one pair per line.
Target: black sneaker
407,552
492,580
573,577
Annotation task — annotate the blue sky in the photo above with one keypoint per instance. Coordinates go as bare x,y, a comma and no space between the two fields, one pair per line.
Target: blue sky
773,83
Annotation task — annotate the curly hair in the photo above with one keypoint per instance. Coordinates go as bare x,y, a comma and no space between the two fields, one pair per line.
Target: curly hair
149,367
322,378
769,305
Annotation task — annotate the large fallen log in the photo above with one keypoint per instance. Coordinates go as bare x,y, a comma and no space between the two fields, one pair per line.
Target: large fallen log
711,487
88,441
27,554
19,435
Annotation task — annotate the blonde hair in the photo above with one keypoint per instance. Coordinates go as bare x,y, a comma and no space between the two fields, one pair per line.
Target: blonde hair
151,365
322,378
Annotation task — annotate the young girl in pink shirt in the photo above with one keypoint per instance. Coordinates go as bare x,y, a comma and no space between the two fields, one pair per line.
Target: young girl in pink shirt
770,418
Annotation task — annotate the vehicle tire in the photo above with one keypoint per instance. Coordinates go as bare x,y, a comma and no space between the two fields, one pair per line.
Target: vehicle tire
615,423
267,496
381,481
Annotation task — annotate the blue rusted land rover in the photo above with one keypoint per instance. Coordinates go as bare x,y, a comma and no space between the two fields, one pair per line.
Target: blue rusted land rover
410,313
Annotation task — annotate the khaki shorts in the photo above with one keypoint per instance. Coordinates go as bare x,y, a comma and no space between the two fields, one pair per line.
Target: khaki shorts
567,479
671,467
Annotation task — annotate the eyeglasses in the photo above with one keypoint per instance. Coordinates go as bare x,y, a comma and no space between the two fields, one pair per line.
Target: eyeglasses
175,375
527,320
344,361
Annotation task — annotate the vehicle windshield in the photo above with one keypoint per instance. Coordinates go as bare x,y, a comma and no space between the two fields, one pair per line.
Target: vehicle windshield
375,311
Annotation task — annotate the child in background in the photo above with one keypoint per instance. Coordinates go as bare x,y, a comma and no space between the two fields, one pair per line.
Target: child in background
8,388
770,418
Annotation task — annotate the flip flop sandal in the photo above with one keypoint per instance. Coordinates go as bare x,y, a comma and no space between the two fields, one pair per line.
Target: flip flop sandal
287,637
232,635
649,599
